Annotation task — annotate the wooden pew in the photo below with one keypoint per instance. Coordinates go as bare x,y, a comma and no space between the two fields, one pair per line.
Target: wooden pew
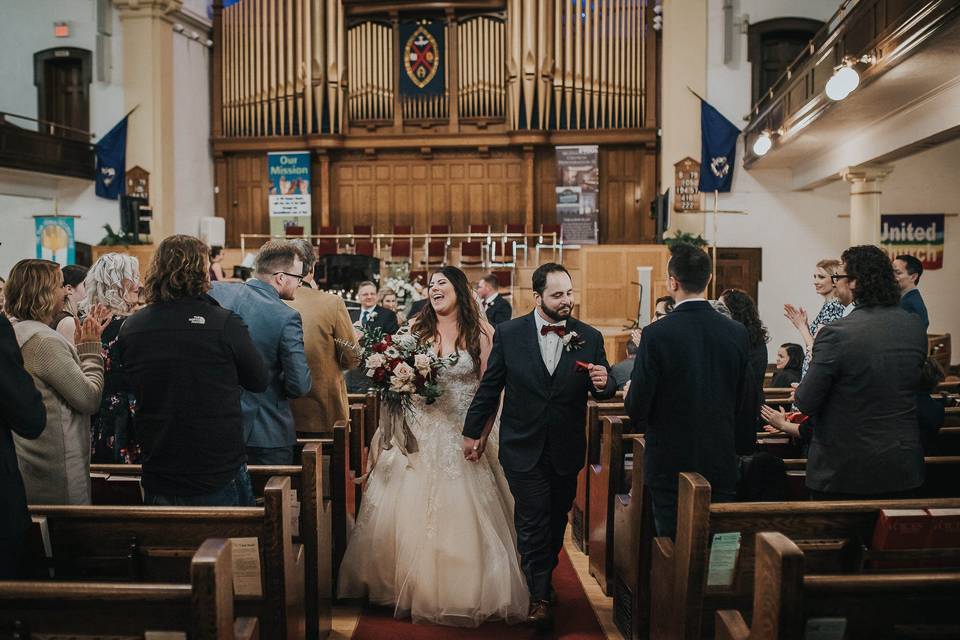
831,533
942,478
947,442
201,609
606,479
154,544
871,606
580,513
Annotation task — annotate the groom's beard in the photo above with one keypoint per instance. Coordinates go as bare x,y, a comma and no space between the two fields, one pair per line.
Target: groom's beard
559,315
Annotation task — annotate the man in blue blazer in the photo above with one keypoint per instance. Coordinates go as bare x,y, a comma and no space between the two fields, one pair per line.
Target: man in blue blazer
277,330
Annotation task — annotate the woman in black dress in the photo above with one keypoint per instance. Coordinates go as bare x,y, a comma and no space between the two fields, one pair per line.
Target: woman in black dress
114,281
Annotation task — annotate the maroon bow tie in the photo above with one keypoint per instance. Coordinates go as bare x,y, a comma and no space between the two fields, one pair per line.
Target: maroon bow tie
558,329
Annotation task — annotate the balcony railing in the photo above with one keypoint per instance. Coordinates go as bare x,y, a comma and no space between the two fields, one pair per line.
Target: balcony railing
45,147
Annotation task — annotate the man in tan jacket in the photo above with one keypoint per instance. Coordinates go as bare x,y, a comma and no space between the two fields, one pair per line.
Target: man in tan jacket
327,331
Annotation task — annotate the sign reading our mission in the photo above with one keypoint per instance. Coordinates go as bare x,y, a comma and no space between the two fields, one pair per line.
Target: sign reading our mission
917,234
289,199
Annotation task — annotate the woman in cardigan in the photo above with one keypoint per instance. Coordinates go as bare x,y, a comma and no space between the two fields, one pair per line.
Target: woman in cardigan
56,466
114,283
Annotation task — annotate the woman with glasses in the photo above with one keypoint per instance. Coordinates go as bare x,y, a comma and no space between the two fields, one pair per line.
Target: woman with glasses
113,283
832,309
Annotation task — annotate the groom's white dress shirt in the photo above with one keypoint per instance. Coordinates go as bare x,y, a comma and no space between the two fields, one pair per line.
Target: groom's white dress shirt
551,345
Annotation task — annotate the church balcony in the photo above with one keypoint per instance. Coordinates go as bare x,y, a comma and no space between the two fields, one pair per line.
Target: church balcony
907,56
45,147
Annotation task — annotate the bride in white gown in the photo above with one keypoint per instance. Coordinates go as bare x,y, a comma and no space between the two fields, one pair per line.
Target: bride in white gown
435,535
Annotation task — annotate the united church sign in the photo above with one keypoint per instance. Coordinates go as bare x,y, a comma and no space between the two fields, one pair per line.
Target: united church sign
918,234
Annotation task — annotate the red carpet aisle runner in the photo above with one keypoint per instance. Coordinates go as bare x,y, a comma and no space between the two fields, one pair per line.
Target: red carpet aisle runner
575,619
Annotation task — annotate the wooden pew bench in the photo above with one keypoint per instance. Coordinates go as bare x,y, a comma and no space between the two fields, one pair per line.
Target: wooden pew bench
155,544
787,600
684,600
313,515
608,475
200,609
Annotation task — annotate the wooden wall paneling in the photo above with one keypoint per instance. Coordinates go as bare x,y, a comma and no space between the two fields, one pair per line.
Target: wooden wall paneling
221,181
607,272
546,194
248,188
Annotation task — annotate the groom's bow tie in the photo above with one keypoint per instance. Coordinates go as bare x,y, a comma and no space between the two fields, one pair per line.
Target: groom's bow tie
558,329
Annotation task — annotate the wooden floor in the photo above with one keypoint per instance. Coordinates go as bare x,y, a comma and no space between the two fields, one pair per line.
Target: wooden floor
345,617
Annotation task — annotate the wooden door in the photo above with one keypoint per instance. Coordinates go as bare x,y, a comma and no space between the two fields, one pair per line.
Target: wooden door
739,269
66,100
248,208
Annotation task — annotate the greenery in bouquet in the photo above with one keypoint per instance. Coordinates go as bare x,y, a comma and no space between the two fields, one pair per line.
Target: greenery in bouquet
401,366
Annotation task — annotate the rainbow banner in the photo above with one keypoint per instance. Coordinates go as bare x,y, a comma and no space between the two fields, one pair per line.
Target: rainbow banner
917,234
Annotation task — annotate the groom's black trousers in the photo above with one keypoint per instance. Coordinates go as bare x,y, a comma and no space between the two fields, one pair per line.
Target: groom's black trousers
542,498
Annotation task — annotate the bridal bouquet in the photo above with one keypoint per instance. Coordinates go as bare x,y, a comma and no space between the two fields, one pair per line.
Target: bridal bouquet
401,367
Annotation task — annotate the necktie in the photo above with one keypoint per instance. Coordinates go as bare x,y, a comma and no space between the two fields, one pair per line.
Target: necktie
363,317
558,329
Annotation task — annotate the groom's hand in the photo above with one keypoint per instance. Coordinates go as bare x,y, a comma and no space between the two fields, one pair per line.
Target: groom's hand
598,376
471,449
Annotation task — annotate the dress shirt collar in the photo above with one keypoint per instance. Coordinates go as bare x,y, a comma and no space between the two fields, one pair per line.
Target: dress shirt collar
541,322
489,300
688,300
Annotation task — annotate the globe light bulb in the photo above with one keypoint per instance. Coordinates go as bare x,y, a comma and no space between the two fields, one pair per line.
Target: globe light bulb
842,83
762,144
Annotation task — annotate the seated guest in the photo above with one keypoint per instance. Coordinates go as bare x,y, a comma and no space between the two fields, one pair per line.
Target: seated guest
185,360
21,412
789,365
860,390
744,310
66,320
327,336
496,308
277,330
56,466
908,270
114,283
692,391
216,264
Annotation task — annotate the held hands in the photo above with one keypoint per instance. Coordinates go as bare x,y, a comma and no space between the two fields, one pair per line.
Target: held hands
473,449
92,327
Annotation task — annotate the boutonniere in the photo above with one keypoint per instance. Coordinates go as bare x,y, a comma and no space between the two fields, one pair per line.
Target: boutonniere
572,341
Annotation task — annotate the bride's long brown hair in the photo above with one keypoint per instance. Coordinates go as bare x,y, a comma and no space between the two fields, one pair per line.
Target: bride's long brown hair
469,322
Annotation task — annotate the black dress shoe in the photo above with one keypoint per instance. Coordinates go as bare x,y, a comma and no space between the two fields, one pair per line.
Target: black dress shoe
540,615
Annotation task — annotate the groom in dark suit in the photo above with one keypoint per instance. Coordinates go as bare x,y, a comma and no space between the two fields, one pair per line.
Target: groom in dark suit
547,361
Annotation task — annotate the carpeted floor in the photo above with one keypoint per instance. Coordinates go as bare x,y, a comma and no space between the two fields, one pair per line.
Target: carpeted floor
575,619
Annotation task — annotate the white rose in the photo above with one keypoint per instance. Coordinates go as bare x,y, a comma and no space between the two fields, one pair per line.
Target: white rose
422,363
375,361
406,342
401,386
391,353
403,372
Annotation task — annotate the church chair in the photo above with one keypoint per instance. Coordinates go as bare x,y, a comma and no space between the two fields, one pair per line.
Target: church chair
202,607
435,254
364,248
471,254
401,251
363,230
442,230
402,229
503,253
551,237
327,247
505,279
518,233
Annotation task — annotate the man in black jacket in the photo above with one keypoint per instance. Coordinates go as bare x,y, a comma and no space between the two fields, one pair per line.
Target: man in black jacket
186,360
371,314
547,362
21,411
691,392
497,309
861,388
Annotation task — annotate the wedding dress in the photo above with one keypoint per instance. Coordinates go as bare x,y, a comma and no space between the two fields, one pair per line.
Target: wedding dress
435,535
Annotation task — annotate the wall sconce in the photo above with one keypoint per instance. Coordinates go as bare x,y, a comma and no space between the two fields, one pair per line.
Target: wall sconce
764,142
657,17
846,78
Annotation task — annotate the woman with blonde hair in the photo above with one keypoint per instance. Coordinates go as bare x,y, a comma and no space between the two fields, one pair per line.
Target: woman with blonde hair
56,466
113,283
831,310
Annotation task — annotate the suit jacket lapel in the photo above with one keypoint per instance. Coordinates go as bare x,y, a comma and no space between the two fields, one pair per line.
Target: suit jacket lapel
565,363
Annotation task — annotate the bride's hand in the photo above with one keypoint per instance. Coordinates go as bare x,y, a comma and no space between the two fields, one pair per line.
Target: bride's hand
471,449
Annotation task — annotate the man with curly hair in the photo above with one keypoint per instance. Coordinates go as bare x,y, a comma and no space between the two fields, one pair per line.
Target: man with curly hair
860,389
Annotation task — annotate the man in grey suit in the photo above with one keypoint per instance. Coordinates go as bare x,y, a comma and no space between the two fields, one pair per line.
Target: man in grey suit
277,330
860,390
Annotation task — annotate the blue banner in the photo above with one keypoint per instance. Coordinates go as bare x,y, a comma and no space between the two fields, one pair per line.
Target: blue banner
289,200
421,52
718,149
111,152
56,239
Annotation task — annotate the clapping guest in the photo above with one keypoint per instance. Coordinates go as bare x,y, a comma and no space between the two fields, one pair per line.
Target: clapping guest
66,319
114,283
744,310
56,466
865,436
789,365
831,311
186,361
